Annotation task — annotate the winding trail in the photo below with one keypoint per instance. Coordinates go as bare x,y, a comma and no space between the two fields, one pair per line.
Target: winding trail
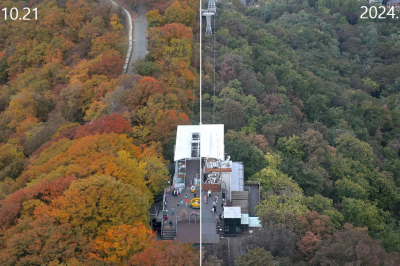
140,43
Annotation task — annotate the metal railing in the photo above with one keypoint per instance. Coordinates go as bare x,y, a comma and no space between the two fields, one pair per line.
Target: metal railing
163,216
128,19
194,218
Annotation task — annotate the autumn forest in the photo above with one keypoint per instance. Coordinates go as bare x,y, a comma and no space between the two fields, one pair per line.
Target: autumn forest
84,149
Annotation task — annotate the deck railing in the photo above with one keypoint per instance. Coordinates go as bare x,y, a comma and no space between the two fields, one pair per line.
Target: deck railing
163,216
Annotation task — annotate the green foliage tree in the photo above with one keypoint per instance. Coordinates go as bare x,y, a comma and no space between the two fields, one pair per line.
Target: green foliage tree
292,147
256,257
362,213
357,150
244,151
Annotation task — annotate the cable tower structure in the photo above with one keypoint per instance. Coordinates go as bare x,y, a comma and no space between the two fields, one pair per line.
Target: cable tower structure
208,27
210,11
211,6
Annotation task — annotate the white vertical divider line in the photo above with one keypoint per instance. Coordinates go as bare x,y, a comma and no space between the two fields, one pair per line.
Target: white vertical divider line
201,183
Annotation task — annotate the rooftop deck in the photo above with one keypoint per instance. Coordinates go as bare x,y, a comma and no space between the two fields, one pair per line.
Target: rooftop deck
188,232
192,234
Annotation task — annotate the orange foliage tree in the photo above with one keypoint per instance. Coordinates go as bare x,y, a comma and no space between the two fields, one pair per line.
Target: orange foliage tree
109,154
107,43
119,243
41,241
100,202
165,127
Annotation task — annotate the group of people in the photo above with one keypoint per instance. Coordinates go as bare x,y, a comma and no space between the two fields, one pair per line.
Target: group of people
186,200
180,203
170,222
223,204
176,191
214,208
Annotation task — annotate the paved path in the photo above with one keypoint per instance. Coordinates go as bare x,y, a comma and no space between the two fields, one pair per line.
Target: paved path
140,44
253,197
234,248
208,224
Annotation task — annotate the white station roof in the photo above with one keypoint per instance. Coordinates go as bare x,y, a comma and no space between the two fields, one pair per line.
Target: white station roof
232,212
211,141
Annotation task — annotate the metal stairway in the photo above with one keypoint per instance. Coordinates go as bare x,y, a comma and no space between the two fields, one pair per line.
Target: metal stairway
168,233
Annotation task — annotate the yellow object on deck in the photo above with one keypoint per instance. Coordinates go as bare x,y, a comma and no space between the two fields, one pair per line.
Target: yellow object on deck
195,203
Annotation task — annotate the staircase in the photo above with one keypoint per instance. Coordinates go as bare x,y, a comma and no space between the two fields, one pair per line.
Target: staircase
168,233
220,225
241,199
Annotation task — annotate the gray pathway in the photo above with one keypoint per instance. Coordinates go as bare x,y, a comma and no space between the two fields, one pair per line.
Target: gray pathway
234,248
140,44
208,224
253,197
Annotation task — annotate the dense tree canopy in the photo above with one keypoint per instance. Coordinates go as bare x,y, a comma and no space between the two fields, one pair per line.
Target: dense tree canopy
315,90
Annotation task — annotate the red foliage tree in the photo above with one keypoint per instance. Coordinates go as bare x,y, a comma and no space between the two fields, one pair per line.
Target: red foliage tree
227,72
316,228
272,103
45,190
141,91
8,214
108,124
108,66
